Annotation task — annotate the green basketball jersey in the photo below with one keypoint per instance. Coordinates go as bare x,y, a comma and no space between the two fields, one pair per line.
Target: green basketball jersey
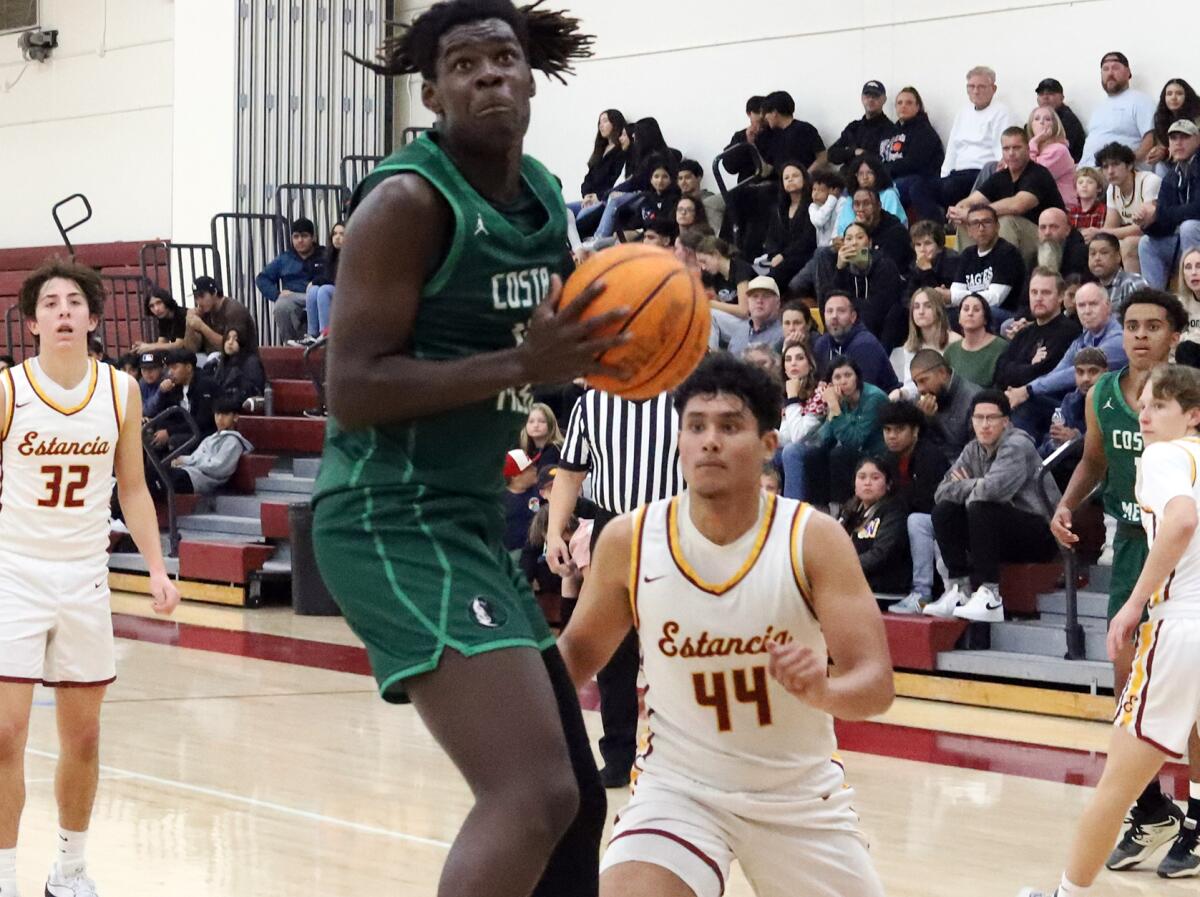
1122,447
493,276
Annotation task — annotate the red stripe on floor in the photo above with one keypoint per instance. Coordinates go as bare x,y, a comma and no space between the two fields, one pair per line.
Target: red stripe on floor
1050,764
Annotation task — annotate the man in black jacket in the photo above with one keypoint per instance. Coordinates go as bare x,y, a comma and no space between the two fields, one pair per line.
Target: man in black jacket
191,389
866,134
1039,341
888,235
920,466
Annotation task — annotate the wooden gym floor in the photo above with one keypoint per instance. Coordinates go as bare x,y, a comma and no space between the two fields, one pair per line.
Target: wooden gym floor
241,758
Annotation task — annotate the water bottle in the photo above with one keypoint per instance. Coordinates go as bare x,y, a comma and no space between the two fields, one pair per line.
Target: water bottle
269,401
1057,417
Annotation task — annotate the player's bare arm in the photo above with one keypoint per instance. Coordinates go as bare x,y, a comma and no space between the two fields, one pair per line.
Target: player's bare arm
563,496
1175,532
1090,471
861,683
138,506
603,616
385,265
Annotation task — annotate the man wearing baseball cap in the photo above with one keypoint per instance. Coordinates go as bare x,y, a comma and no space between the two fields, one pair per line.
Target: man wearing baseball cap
284,281
1171,224
764,325
1124,116
213,316
864,135
1050,93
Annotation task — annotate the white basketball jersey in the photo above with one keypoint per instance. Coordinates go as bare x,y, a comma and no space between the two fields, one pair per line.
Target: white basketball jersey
56,461
1168,470
715,715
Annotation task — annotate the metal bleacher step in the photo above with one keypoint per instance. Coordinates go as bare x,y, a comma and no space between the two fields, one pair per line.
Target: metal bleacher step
238,505
1039,637
133,562
284,482
246,527
1099,577
1090,603
1027,667
306,467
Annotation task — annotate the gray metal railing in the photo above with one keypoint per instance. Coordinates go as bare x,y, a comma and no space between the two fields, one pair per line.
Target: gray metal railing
162,466
730,194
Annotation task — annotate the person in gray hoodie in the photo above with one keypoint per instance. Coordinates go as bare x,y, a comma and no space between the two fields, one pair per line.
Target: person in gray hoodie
989,510
216,458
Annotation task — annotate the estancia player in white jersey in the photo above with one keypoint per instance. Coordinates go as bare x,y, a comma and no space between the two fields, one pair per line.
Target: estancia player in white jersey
741,599
66,423
1160,705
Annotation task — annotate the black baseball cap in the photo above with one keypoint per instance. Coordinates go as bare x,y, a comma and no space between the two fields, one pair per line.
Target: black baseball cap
181,356
205,285
875,89
1048,85
303,226
150,360
1117,55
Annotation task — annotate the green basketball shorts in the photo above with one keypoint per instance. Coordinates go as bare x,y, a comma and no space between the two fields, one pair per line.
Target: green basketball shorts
1129,556
415,575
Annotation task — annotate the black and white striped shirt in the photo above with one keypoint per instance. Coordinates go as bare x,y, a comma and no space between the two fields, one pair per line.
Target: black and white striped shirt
631,449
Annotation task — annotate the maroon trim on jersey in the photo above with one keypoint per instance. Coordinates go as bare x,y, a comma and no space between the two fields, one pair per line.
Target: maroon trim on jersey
1145,692
1158,747
10,403
108,681
112,380
20,680
682,842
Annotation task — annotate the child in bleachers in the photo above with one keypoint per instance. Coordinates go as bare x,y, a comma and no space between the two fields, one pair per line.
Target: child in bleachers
770,479
827,189
1070,418
1089,213
657,203
521,500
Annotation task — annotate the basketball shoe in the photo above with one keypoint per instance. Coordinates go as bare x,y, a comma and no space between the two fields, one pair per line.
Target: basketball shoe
1034,892
944,606
1182,860
1147,832
912,603
74,885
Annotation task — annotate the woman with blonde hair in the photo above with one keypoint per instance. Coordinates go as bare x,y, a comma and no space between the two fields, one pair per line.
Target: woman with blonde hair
1048,147
928,328
540,438
1188,350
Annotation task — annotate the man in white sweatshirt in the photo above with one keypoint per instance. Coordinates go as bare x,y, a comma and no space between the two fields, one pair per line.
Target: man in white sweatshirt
975,138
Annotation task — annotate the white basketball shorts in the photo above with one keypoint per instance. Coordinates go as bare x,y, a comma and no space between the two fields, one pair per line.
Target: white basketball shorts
786,847
1161,701
55,621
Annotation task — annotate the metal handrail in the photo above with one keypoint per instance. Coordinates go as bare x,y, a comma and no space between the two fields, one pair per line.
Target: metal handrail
725,191
1072,628
162,466
63,231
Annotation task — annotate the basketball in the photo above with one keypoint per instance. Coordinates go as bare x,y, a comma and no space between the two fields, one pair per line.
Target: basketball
668,320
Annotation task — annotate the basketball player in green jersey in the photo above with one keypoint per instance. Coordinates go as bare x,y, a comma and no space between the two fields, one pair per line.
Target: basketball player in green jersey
445,314
1152,321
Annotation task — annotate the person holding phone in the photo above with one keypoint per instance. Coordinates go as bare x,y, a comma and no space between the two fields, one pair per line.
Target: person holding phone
872,280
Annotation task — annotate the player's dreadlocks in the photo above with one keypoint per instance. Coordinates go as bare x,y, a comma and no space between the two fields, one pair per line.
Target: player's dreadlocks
551,40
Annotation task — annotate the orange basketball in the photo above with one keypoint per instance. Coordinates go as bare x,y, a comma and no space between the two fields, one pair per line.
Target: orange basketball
669,316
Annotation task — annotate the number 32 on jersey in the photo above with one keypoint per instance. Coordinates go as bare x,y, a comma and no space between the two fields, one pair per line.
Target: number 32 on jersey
749,687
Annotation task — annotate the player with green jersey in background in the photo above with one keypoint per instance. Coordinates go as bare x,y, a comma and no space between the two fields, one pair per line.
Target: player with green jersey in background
446,314
1152,322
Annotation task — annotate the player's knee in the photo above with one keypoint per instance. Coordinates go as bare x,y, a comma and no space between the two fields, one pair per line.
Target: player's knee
12,738
82,742
547,809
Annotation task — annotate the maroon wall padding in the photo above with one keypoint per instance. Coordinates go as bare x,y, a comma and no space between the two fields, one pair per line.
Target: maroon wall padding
294,396
283,362
274,518
250,468
1020,584
286,435
98,255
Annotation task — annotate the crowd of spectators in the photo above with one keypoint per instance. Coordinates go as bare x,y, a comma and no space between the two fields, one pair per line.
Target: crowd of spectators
925,383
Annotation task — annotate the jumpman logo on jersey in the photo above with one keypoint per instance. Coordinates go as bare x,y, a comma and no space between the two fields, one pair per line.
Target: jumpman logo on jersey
1108,405
479,227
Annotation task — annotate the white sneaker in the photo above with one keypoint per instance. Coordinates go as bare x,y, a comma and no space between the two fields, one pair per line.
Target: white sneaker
909,604
1034,892
1106,556
985,606
8,888
944,606
77,885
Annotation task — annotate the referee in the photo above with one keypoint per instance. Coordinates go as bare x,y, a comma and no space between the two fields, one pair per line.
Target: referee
632,451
